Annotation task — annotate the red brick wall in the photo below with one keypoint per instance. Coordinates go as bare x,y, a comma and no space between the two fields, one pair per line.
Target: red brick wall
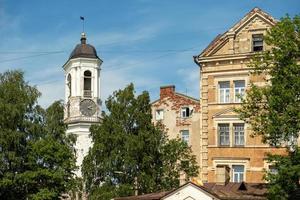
166,91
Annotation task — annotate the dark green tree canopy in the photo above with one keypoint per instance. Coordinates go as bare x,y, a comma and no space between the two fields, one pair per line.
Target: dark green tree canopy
273,110
36,156
130,153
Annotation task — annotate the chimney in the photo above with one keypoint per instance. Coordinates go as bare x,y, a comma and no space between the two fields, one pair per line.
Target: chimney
167,91
222,174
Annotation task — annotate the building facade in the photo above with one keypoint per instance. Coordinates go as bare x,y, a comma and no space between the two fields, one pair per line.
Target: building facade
180,114
226,143
82,96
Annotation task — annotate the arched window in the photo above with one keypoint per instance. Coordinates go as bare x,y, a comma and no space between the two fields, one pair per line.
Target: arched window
69,84
87,87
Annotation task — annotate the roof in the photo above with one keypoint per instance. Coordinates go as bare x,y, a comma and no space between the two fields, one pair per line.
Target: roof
186,96
151,196
253,191
199,187
84,50
180,95
230,191
222,38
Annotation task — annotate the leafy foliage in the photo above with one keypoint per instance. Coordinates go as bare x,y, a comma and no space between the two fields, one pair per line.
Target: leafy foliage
131,153
285,182
36,156
273,110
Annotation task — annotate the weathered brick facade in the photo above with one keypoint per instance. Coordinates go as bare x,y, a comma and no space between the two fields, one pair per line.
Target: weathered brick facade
171,104
225,139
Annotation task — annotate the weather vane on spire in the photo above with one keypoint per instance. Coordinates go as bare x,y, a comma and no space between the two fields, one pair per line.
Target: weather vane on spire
82,18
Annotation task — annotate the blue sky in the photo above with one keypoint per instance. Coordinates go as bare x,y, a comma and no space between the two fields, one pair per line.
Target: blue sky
148,42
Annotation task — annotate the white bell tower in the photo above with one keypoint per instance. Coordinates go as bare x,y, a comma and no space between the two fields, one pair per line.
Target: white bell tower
82,96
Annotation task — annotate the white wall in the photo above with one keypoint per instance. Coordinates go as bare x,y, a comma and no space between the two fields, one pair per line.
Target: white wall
189,191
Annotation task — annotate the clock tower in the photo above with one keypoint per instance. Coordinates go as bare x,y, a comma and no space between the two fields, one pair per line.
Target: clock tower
82,96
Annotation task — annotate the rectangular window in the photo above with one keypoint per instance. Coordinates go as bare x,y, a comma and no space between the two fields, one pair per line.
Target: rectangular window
185,136
238,173
257,42
239,90
159,114
185,112
224,91
239,134
223,134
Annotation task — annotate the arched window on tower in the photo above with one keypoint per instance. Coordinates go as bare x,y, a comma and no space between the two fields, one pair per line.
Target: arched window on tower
87,87
69,84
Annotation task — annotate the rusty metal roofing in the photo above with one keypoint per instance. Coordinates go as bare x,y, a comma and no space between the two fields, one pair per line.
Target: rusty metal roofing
84,50
230,191
151,196
253,191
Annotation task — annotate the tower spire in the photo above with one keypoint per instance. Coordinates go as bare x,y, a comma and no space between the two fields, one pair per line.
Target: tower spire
83,38
82,19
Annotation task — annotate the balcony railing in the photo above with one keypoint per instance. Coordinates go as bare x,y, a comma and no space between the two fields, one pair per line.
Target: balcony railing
87,93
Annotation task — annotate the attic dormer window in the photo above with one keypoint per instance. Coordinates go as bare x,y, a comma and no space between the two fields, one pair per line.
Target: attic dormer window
257,42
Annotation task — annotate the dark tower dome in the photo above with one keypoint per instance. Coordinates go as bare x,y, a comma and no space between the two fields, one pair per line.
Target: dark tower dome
84,50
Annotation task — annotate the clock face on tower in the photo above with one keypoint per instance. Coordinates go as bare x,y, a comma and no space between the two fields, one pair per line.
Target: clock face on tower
88,107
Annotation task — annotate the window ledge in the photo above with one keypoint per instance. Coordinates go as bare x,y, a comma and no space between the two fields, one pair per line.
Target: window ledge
186,117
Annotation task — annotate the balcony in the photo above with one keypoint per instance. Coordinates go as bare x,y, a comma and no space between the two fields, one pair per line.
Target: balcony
87,93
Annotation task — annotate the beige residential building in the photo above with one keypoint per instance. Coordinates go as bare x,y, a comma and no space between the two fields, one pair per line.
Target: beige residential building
227,147
180,114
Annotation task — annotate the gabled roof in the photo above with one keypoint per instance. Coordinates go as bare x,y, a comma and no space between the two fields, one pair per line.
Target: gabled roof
199,187
221,39
186,96
180,95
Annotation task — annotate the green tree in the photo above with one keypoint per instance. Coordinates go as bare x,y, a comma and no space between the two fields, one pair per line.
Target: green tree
130,152
273,110
36,155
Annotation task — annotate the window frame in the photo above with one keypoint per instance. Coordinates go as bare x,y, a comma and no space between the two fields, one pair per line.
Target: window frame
238,99
260,36
184,138
156,114
226,92
234,131
224,136
229,162
187,114
218,142
238,174
87,81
